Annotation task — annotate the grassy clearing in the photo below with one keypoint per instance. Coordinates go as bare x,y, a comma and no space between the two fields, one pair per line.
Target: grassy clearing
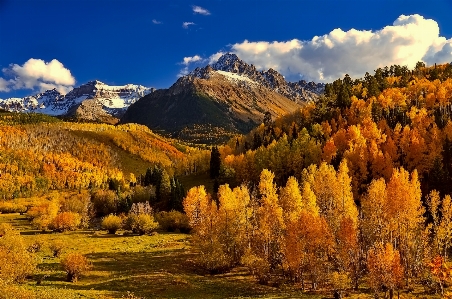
158,266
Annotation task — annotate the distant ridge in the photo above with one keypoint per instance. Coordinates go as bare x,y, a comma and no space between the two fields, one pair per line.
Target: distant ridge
111,100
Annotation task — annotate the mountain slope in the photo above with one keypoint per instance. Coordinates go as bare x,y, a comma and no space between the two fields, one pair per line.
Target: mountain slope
109,101
212,103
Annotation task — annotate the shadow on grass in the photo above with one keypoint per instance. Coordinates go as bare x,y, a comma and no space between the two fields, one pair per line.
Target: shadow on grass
105,236
161,274
139,272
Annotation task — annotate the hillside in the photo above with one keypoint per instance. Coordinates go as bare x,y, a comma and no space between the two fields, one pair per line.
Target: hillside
40,153
394,118
216,102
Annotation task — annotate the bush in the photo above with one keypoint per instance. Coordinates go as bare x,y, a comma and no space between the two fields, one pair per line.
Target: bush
105,202
57,247
44,213
141,224
16,263
173,221
79,203
36,246
111,223
66,221
7,207
75,264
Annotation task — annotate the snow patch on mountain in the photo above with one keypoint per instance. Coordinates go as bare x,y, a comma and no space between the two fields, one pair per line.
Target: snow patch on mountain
235,77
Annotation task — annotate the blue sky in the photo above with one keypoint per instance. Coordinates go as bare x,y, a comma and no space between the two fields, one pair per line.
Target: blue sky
65,43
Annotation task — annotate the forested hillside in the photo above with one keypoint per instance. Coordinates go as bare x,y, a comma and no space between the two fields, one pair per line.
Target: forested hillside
351,191
394,118
40,153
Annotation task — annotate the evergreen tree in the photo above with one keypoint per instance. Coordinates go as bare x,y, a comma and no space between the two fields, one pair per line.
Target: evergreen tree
215,163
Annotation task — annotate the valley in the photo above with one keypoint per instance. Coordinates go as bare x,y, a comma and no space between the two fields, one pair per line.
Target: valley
244,192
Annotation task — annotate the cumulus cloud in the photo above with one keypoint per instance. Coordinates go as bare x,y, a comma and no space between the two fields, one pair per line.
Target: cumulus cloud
4,85
186,24
325,58
156,22
187,61
38,74
200,10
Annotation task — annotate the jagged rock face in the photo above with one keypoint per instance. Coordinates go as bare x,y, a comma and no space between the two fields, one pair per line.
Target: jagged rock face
297,91
113,100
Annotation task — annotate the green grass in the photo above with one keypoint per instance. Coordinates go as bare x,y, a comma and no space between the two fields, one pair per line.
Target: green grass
158,266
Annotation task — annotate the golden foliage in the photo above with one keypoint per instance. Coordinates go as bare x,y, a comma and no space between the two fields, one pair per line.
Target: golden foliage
75,265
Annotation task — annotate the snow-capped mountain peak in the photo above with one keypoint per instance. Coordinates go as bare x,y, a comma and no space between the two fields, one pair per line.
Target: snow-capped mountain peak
114,99
231,67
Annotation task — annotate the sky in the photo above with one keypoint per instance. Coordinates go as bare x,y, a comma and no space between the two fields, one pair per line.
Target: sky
62,44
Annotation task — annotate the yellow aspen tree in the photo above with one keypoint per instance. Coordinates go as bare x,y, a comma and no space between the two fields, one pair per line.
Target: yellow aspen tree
405,213
333,192
309,200
374,221
203,218
290,200
385,268
270,218
233,218
346,205
264,253
348,251
441,226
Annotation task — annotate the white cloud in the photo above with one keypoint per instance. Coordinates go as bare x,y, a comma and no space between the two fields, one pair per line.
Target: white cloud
188,60
38,74
214,57
4,85
186,24
156,22
328,57
200,10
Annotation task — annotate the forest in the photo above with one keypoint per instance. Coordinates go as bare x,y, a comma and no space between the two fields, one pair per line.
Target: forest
348,196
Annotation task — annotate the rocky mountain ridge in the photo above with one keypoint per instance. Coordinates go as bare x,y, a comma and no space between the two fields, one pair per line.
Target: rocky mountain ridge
300,91
110,100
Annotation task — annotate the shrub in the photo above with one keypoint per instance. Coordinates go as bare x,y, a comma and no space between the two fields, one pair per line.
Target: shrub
7,207
57,247
105,202
36,246
141,208
111,223
44,213
259,267
173,221
79,203
66,221
141,224
75,264
16,263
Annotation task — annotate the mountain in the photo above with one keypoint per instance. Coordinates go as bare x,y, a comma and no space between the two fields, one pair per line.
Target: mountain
296,91
98,101
213,103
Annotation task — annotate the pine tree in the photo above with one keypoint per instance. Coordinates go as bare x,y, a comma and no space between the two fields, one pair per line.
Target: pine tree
215,163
